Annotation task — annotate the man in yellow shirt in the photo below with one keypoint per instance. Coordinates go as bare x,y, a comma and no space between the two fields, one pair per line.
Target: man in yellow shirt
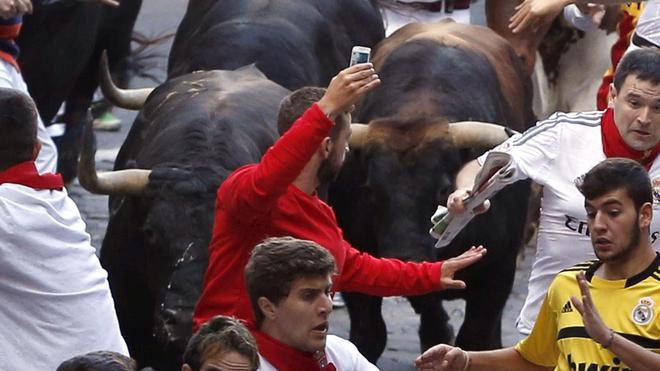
624,284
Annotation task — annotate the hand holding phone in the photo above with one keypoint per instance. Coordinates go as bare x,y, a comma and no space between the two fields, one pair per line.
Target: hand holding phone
360,54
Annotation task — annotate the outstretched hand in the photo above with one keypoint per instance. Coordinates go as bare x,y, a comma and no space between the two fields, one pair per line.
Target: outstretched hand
442,357
456,203
453,265
594,325
530,14
13,8
347,88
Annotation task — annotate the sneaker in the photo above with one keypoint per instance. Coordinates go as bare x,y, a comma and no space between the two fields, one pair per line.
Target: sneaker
338,301
107,122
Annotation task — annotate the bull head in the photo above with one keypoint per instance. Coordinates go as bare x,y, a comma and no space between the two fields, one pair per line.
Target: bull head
130,99
464,134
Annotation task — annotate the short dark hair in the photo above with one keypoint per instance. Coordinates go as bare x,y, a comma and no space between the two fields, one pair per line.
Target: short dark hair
642,63
277,262
18,125
220,334
99,361
615,173
295,104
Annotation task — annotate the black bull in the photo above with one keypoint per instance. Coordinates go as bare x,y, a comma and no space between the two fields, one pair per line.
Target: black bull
294,42
60,49
390,185
155,249
192,132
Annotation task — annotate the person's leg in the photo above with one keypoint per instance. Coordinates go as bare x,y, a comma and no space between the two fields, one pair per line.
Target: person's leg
47,158
104,119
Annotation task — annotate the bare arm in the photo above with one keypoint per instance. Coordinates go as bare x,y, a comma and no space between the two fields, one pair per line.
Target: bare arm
531,13
635,356
445,357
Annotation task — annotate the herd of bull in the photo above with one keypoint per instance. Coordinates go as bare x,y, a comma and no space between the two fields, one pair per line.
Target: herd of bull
231,63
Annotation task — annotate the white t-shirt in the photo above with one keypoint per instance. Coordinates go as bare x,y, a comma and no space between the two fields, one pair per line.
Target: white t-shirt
648,25
342,353
55,301
554,154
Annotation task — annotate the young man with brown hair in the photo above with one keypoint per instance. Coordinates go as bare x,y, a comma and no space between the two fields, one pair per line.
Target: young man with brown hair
289,282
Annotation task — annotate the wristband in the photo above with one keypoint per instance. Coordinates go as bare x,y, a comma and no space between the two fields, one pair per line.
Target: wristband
609,341
468,361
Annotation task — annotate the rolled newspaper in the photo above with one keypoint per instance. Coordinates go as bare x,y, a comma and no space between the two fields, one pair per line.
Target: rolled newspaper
495,174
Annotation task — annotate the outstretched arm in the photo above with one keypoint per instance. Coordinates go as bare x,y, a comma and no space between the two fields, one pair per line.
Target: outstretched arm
636,357
392,277
531,13
447,358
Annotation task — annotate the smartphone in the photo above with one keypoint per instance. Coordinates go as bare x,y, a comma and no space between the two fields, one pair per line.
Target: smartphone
360,54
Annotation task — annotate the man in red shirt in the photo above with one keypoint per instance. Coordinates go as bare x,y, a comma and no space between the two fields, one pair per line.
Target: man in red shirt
277,197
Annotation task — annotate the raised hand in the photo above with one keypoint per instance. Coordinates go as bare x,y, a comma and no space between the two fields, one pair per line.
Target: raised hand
532,13
13,8
347,88
594,325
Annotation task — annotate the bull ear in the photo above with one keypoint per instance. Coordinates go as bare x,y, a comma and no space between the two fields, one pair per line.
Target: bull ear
131,99
358,135
475,134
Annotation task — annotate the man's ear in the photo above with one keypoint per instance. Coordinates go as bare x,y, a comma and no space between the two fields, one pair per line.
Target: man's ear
611,94
36,149
326,147
645,215
267,307
186,367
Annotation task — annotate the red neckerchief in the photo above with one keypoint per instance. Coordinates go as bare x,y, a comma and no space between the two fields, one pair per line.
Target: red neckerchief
614,146
26,174
285,358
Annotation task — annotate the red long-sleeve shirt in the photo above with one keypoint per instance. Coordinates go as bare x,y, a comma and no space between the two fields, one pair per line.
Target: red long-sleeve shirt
259,201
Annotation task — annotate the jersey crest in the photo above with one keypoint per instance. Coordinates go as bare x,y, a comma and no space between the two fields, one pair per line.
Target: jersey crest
642,314
655,182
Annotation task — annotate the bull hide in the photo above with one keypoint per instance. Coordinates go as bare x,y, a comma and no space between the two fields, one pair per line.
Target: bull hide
192,132
294,42
61,46
433,74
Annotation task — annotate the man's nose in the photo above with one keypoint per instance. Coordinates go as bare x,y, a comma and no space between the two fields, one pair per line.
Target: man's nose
598,223
325,306
644,116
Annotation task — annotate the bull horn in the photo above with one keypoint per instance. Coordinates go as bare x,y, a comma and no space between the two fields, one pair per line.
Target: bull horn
358,135
474,134
121,182
131,99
